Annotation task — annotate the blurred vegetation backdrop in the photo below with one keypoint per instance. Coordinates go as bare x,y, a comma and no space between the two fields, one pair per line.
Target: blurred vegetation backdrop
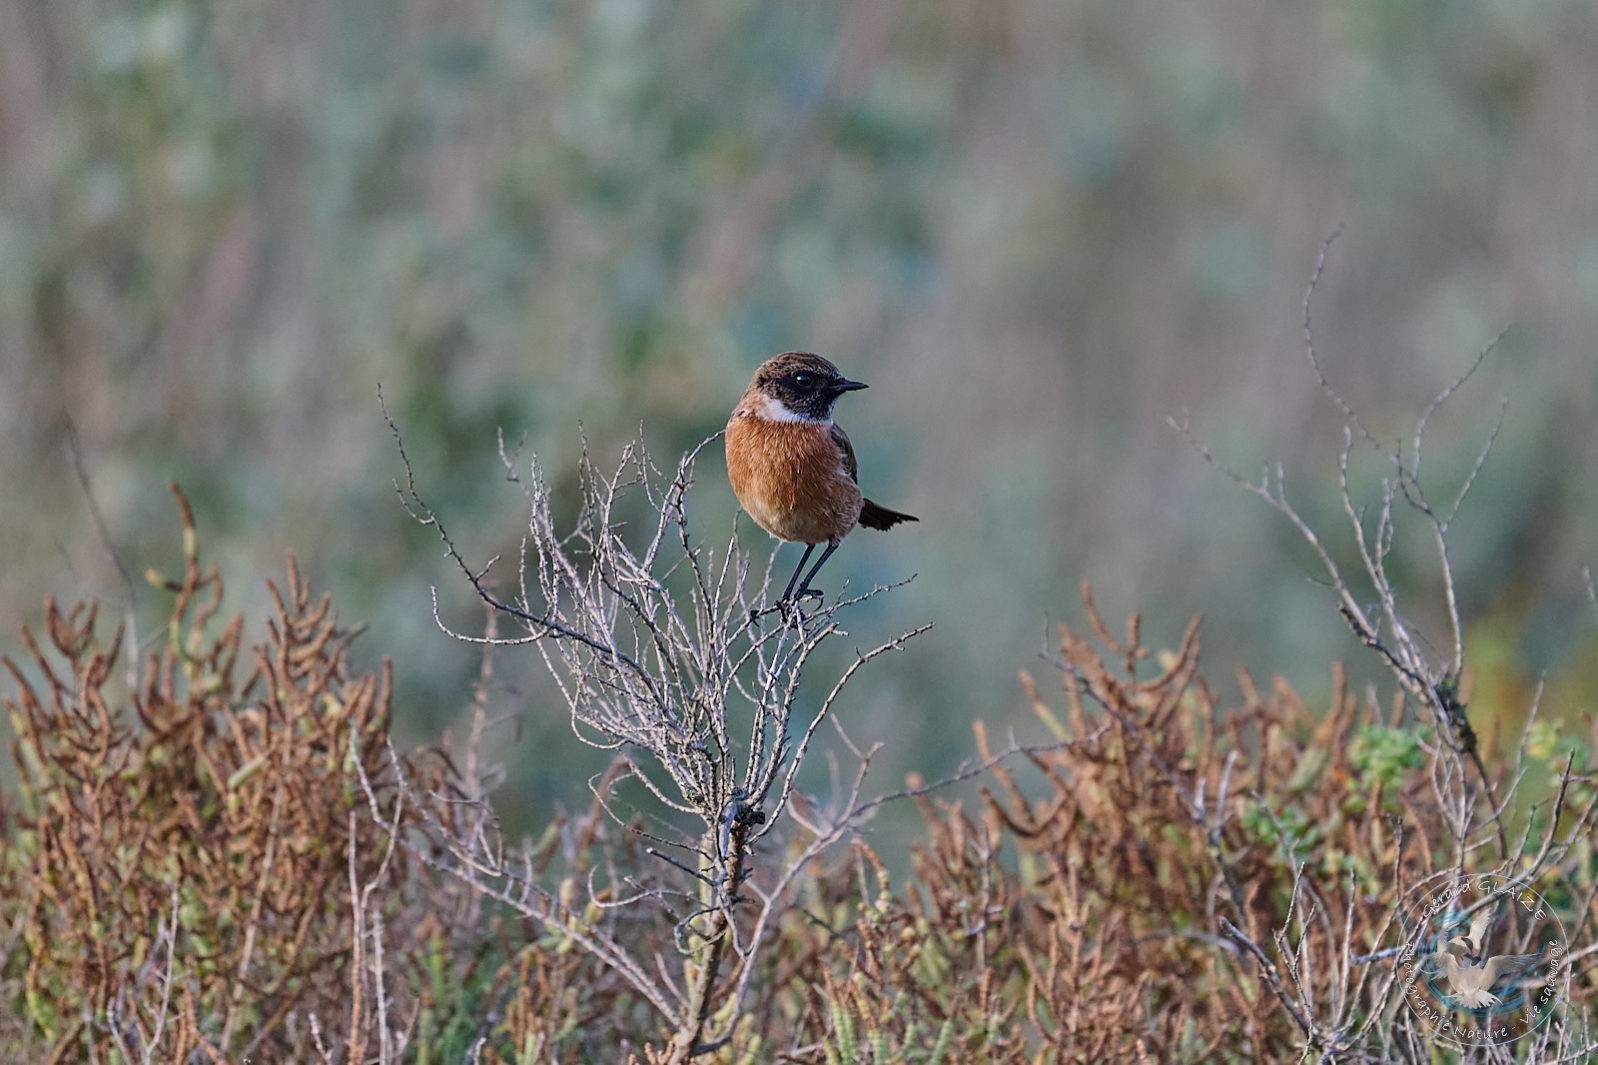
1039,229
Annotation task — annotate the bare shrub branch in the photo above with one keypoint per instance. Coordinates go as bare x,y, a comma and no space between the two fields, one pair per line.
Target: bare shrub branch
1458,822
663,651
1380,625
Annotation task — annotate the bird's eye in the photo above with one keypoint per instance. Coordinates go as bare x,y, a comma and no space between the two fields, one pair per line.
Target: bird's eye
804,380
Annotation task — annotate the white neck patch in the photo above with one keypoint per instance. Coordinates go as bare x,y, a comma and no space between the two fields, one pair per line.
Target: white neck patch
775,410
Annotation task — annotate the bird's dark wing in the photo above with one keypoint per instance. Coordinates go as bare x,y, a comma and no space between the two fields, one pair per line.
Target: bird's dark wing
872,516
841,438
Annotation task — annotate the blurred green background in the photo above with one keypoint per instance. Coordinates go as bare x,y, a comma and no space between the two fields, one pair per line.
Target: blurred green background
1039,230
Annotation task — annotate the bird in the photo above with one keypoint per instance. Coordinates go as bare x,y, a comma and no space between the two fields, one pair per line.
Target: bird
793,468
1473,985
1473,982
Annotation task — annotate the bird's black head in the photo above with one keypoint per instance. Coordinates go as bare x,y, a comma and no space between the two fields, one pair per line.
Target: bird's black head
806,385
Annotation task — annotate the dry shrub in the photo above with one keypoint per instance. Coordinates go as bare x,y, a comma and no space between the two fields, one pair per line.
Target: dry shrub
179,868
497,987
1190,883
209,868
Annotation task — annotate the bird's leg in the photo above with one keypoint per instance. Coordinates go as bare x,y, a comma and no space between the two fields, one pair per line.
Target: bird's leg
804,585
788,591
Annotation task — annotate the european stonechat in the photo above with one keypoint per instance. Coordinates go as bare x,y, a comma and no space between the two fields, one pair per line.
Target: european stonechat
792,466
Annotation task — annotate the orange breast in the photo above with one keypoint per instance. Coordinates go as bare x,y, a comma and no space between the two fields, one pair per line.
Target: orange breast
791,479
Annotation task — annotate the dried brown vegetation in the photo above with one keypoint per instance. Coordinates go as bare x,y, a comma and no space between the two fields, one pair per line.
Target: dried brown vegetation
218,863
177,873
1192,882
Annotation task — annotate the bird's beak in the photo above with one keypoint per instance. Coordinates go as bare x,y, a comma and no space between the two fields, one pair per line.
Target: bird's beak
849,386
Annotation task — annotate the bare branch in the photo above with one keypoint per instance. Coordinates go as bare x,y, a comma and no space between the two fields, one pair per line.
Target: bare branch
660,652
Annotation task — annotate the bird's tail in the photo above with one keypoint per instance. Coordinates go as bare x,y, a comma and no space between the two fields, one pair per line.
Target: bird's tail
875,517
